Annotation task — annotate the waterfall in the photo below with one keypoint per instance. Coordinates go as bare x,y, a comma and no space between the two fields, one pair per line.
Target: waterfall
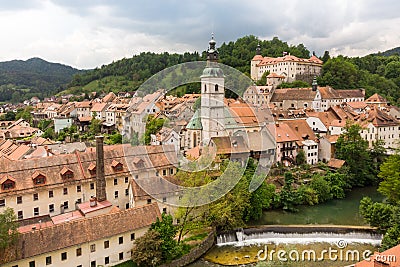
299,235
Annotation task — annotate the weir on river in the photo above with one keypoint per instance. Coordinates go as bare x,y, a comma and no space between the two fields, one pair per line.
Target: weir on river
299,234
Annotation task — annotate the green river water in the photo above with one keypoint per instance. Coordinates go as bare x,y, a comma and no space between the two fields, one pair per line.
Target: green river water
334,212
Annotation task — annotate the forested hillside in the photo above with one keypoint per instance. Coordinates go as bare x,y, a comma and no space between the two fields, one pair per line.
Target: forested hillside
128,74
375,73
34,77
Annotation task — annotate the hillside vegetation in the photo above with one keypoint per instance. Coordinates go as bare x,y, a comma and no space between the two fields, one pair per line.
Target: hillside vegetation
21,80
377,73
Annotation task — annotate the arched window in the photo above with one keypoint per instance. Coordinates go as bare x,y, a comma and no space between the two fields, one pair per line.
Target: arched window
205,88
216,88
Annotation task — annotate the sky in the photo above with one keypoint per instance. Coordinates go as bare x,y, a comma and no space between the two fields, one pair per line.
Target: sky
89,33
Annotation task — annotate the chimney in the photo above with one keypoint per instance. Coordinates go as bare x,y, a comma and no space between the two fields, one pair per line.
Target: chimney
93,202
100,178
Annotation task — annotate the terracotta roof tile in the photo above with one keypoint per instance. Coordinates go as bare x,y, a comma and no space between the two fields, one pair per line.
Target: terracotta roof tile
77,232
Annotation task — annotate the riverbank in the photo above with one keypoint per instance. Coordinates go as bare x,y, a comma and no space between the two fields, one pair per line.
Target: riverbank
336,211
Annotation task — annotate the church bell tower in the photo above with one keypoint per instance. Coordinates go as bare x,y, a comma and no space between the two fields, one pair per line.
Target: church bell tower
212,96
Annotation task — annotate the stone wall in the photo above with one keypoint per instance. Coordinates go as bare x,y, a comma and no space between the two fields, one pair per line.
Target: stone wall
194,254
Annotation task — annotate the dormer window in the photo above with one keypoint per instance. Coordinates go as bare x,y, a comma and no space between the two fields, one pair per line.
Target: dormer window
38,178
116,165
7,182
92,169
67,173
139,163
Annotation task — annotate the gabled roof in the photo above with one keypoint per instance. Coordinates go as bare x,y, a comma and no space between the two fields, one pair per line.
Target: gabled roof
293,94
76,232
375,99
7,177
195,122
283,133
64,170
36,174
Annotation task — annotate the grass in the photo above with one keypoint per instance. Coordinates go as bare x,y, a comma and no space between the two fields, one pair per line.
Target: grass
128,263
200,236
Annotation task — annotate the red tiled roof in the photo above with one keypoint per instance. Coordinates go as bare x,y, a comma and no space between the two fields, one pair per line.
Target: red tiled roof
77,232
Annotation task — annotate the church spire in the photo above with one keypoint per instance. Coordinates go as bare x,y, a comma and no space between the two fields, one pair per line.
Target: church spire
258,49
212,53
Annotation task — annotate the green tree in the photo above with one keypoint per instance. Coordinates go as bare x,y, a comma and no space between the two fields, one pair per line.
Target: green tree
326,56
167,232
147,250
95,127
352,148
8,229
49,133
263,80
321,187
392,70
339,73
301,157
390,175
9,116
153,125
288,196
25,114
378,214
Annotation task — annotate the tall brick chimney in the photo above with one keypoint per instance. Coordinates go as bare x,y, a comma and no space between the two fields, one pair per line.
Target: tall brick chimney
100,178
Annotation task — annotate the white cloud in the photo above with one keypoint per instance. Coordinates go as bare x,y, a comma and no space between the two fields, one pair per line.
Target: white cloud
88,34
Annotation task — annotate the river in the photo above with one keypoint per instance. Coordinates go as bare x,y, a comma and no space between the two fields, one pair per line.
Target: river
335,212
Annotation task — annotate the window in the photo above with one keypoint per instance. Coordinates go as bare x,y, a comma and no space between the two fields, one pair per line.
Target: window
164,210
35,196
126,180
8,185
120,240
78,188
106,260
65,205
51,208
149,201
79,252
164,172
127,206
93,264
216,88
106,244
48,260
51,194
127,192
39,180
20,215
65,191
116,194
164,199
137,176
132,236
91,186
115,181
32,264
78,201
171,171
92,247
19,199
2,202
63,256
121,256
36,211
